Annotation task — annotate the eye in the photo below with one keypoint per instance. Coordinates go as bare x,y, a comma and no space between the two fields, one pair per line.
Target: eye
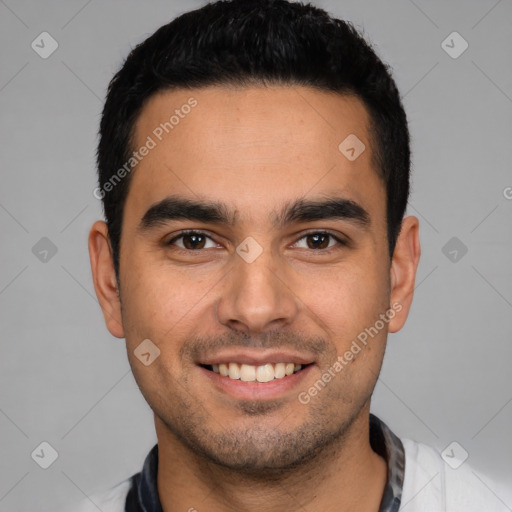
319,240
191,240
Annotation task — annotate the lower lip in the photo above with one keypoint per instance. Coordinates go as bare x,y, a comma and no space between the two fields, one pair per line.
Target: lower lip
256,390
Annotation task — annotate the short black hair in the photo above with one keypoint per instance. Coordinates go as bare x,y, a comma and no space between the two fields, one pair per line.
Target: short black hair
247,42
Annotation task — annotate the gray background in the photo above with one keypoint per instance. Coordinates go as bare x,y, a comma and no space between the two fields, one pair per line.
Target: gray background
66,381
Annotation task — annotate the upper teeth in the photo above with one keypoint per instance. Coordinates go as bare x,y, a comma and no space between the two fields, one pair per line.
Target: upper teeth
251,373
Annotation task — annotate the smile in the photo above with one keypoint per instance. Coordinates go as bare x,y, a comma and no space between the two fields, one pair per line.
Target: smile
252,373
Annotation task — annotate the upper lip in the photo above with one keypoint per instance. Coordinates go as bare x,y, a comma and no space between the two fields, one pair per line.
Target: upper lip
255,357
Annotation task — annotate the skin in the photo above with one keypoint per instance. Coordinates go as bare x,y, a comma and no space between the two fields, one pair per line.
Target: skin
256,149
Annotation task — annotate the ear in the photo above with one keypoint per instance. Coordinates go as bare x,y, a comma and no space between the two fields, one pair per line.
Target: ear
104,278
404,264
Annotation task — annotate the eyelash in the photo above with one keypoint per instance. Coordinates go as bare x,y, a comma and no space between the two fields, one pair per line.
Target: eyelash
184,233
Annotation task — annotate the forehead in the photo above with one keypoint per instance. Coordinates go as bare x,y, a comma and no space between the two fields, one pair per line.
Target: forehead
253,147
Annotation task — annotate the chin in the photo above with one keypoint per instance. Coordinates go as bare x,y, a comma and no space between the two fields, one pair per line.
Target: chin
259,451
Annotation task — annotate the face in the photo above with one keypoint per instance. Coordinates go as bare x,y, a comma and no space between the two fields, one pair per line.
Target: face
284,263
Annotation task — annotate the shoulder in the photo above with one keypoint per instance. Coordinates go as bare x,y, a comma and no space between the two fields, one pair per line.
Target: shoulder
430,483
110,500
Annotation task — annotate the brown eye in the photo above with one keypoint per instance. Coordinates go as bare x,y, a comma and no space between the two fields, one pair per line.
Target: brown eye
192,240
320,241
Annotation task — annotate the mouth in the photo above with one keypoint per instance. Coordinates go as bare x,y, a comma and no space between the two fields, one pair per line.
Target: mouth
250,374
261,373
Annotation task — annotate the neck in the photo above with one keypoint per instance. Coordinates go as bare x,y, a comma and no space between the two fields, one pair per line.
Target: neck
346,475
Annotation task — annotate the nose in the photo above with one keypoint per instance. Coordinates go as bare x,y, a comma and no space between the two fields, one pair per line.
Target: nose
258,296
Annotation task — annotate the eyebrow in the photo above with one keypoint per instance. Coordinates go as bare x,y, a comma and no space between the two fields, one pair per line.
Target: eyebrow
212,212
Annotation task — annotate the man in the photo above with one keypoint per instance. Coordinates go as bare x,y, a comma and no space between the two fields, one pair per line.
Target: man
254,171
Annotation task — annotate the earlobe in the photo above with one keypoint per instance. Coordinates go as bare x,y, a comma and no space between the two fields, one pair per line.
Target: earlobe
104,278
404,265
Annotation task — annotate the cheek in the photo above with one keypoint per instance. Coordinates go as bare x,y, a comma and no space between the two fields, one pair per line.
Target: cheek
161,304
347,299
156,301
158,307
349,304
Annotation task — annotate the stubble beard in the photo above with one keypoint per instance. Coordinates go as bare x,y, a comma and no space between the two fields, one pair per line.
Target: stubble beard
256,449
